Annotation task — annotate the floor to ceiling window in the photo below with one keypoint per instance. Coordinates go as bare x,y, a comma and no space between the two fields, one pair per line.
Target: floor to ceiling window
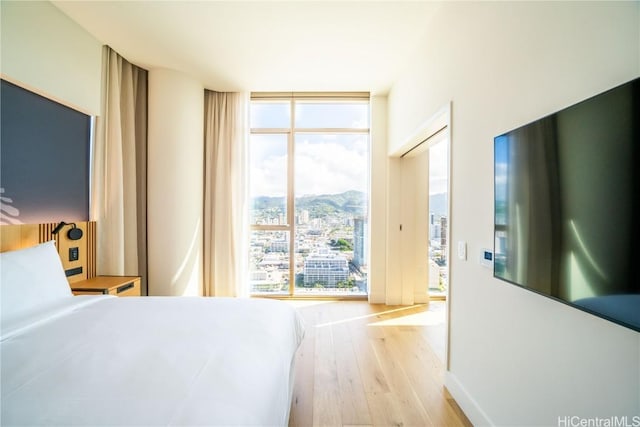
309,189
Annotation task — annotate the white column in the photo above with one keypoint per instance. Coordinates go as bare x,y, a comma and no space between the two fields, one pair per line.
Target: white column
378,209
175,183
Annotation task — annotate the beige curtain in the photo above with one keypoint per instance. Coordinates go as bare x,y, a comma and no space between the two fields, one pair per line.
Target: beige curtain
118,197
225,194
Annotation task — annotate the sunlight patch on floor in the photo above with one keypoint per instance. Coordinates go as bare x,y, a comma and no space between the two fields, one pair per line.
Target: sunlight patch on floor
427,318
376,314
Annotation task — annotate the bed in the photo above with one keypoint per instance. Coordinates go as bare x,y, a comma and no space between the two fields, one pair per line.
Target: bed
104,360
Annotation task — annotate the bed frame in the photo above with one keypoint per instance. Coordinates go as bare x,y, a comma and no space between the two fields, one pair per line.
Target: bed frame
21,236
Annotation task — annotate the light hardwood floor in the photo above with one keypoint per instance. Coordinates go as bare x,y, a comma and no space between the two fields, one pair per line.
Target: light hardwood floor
372,365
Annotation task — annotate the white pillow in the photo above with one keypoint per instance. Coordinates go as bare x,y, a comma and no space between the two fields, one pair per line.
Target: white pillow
31,278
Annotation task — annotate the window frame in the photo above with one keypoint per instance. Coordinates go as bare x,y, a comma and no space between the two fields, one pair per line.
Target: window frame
291,131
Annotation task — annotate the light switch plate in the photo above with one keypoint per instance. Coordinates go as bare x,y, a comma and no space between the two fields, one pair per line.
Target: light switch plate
462,250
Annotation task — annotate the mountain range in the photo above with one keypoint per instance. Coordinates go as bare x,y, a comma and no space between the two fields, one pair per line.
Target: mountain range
438,203
350,202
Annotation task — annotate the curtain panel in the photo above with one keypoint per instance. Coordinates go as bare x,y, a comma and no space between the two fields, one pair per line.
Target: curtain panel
225,194
119,186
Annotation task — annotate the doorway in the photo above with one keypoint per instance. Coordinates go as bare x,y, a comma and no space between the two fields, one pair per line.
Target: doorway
421,172
438,214
424,206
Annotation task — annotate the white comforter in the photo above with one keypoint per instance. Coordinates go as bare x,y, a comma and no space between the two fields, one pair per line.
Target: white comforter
151,361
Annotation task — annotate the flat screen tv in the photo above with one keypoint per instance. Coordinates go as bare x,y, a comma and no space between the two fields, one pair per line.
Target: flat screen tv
567,205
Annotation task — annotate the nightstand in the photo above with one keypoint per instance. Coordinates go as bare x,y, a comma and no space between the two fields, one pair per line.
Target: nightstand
122,286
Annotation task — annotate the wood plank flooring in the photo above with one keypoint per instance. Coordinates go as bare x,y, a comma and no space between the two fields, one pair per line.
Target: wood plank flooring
372,365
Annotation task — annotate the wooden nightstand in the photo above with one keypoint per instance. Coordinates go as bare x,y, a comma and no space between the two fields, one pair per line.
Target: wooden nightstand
122,286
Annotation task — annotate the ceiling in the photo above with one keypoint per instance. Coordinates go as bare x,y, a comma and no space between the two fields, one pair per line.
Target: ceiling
264,45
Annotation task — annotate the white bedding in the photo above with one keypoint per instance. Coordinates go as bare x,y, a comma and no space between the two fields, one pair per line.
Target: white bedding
150,361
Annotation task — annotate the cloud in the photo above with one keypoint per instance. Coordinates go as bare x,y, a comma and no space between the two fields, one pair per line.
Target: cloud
331,167
324,164
268,165
269,177
438,168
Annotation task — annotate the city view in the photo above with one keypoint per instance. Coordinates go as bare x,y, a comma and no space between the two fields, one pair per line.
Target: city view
438,218
330,245
309,183
438,223
312,156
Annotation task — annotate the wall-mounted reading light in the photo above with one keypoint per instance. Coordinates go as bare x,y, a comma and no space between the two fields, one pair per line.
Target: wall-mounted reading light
74,233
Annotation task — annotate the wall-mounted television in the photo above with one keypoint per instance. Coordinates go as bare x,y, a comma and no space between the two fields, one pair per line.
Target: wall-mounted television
567,205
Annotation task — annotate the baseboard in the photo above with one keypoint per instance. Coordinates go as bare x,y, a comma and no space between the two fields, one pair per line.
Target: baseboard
466,402
421,298
376,298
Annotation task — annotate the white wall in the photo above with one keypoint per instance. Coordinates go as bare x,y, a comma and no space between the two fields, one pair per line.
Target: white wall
378,215
44,51
175,183
517,358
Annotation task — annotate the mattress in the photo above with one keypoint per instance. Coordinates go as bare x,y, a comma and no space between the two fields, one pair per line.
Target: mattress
101,360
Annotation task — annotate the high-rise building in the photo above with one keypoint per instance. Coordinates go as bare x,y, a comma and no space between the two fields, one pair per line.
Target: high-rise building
279,246
359,243
443,231
434,228
326,268
303,218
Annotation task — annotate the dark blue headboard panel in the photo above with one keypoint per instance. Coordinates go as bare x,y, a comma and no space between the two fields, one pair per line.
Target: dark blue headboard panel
44,159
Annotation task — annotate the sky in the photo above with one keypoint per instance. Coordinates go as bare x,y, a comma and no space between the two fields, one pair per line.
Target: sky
438,167
324,163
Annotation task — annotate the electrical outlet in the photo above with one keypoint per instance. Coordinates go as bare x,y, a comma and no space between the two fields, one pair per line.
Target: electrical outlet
74,254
